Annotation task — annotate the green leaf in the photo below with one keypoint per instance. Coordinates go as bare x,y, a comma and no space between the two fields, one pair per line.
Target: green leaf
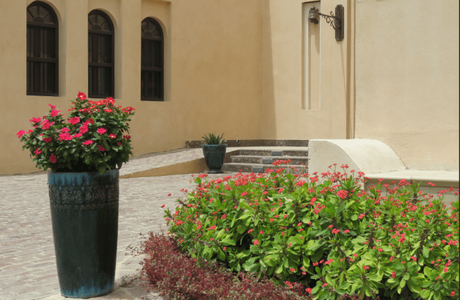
426,251
425,293
402,283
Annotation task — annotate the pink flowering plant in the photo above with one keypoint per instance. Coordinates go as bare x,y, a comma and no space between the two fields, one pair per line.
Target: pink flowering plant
94,137
328,233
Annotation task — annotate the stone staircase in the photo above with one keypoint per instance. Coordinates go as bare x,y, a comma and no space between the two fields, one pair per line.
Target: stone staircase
259,160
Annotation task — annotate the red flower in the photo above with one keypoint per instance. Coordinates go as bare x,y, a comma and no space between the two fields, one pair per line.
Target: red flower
54,112
101,131
37,151
452,294
112,136
74,120
101,148
292,270
256,242
225,248
212,227
47,140
81,96
393,274
162,206
35,120
20,133
53,158
325,284
308,290
88,142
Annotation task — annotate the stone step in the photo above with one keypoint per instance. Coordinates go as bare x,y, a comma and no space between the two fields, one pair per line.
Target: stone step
257,152
268,160
260,168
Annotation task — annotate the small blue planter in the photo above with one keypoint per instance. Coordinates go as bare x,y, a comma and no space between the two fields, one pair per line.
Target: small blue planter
214,156
84,212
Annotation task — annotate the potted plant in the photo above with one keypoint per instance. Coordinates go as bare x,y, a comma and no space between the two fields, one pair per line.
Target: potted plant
84,152
214,152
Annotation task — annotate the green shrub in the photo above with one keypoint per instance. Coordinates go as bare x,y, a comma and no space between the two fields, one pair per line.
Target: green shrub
327,233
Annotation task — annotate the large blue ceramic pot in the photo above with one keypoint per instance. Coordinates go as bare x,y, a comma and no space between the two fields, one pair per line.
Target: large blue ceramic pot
84,211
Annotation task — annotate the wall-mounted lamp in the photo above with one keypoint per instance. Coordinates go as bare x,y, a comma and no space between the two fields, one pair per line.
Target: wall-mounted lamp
336,21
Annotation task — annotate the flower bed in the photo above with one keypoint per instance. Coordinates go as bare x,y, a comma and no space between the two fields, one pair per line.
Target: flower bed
325,233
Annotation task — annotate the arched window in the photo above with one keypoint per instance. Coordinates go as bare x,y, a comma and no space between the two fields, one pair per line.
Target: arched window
42,50
100,55
152,61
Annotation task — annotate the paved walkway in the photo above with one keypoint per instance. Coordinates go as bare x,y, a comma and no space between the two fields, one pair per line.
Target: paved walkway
27,259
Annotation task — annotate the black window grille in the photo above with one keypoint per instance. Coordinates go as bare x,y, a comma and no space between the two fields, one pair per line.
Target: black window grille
100,55
152,61
42,50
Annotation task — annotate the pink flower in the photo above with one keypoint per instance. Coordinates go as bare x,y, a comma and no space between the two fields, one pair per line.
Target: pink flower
88,142
325,284
46,124
47,140
361,216
225,248
65,129
393,274
65,137
77,135
244,193
365,267
84,129
101,131
346,231
20,133
101,148
53,158
308,290
292,270
35,120
256,242
37,151
74,120
261,232
52,106
212,227
271,220
81,96
112,136
452,294
55,112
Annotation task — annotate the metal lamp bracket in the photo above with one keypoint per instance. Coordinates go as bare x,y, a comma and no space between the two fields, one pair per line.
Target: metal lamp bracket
336,21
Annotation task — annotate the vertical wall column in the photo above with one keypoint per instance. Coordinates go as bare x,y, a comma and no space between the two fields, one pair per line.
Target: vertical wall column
128,46
73,51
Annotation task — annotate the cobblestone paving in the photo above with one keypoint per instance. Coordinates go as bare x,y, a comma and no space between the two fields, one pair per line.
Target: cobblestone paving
27,259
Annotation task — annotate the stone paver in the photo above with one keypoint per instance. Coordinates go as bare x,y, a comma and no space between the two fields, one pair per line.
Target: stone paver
27,259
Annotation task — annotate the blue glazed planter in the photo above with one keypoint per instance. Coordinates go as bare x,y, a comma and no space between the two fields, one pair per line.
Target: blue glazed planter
84,212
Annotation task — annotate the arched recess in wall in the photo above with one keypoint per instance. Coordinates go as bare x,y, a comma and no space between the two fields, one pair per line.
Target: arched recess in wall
101,50
42,50
152,60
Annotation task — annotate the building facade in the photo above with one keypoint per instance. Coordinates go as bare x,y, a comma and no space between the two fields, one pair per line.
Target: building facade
252,69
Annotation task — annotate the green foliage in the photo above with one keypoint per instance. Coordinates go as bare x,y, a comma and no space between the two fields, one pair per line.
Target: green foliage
91,139
212,139
327,233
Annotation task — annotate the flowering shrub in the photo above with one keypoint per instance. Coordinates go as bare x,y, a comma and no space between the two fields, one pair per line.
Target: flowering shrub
91,139
328,233
177,276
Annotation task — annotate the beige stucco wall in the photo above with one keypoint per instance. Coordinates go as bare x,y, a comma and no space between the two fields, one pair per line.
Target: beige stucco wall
282,74
407,79
212,71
